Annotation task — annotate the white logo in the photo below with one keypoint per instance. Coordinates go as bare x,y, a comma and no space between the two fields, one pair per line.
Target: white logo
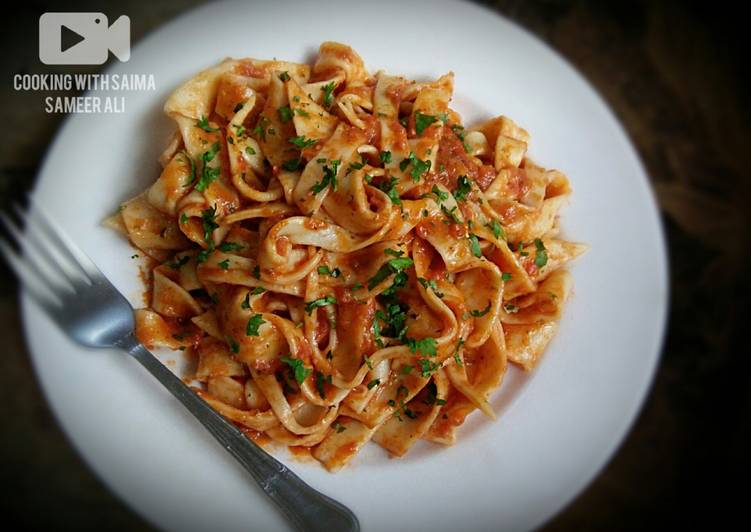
82,38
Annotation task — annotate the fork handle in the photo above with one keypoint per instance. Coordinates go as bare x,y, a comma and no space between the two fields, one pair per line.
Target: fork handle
305,507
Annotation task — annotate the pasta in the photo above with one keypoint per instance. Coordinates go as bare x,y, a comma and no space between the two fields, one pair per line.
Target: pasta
344,259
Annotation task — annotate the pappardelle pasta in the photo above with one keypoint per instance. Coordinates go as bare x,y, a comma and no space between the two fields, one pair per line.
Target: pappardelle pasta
346,261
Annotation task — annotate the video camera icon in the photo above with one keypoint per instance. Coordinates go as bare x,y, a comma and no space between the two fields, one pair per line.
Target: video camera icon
82,38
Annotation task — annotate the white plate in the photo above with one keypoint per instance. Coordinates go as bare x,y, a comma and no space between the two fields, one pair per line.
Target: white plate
557,427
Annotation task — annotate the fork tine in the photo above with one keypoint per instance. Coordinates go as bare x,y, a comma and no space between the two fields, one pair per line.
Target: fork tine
44,269
51,250
30,279
63,242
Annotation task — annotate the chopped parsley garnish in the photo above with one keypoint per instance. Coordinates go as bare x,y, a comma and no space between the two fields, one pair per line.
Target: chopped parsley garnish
192,175
427,367
423,121
505,276
480,313
208,220
298,369
224,265
179,263
541,255
256,271
249,150
285,114
292,165
419,167
440,194
395,318
226,247
203,123
457,358
406,369
320,302
451,214
233,345
368,362
520,248
393,266
385,157
430,283
245,305
393,252
459,132
320,380
498,231
302,142
260,128
284,76
475,245
329,177
391,191
183,218
328,94
302,112
464,187
510,308
325,270
338,427
255,321
257,290
374,383
426,346
208,174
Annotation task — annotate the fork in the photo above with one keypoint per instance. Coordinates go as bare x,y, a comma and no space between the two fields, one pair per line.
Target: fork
78,297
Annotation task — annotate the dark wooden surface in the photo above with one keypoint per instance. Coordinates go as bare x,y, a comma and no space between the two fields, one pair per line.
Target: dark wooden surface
675,75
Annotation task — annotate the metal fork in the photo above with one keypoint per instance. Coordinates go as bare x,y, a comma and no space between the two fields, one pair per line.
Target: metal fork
85,305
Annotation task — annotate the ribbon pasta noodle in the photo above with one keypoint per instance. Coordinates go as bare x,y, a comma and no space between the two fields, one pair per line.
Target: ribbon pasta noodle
347,262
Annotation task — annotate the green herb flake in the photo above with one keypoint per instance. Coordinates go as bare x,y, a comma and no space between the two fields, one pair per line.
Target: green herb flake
298,369
228,247
255,321
182,261
320,302
329,177
328,94
203,123
496,228
285,114
427,367
480,313
302,142
541,254
320,380
463,188
475,245
224,265
372,384
425,346
457,358
208,174
292,165
422,121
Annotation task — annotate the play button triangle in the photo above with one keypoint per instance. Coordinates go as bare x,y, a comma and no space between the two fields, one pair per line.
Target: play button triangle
69,38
